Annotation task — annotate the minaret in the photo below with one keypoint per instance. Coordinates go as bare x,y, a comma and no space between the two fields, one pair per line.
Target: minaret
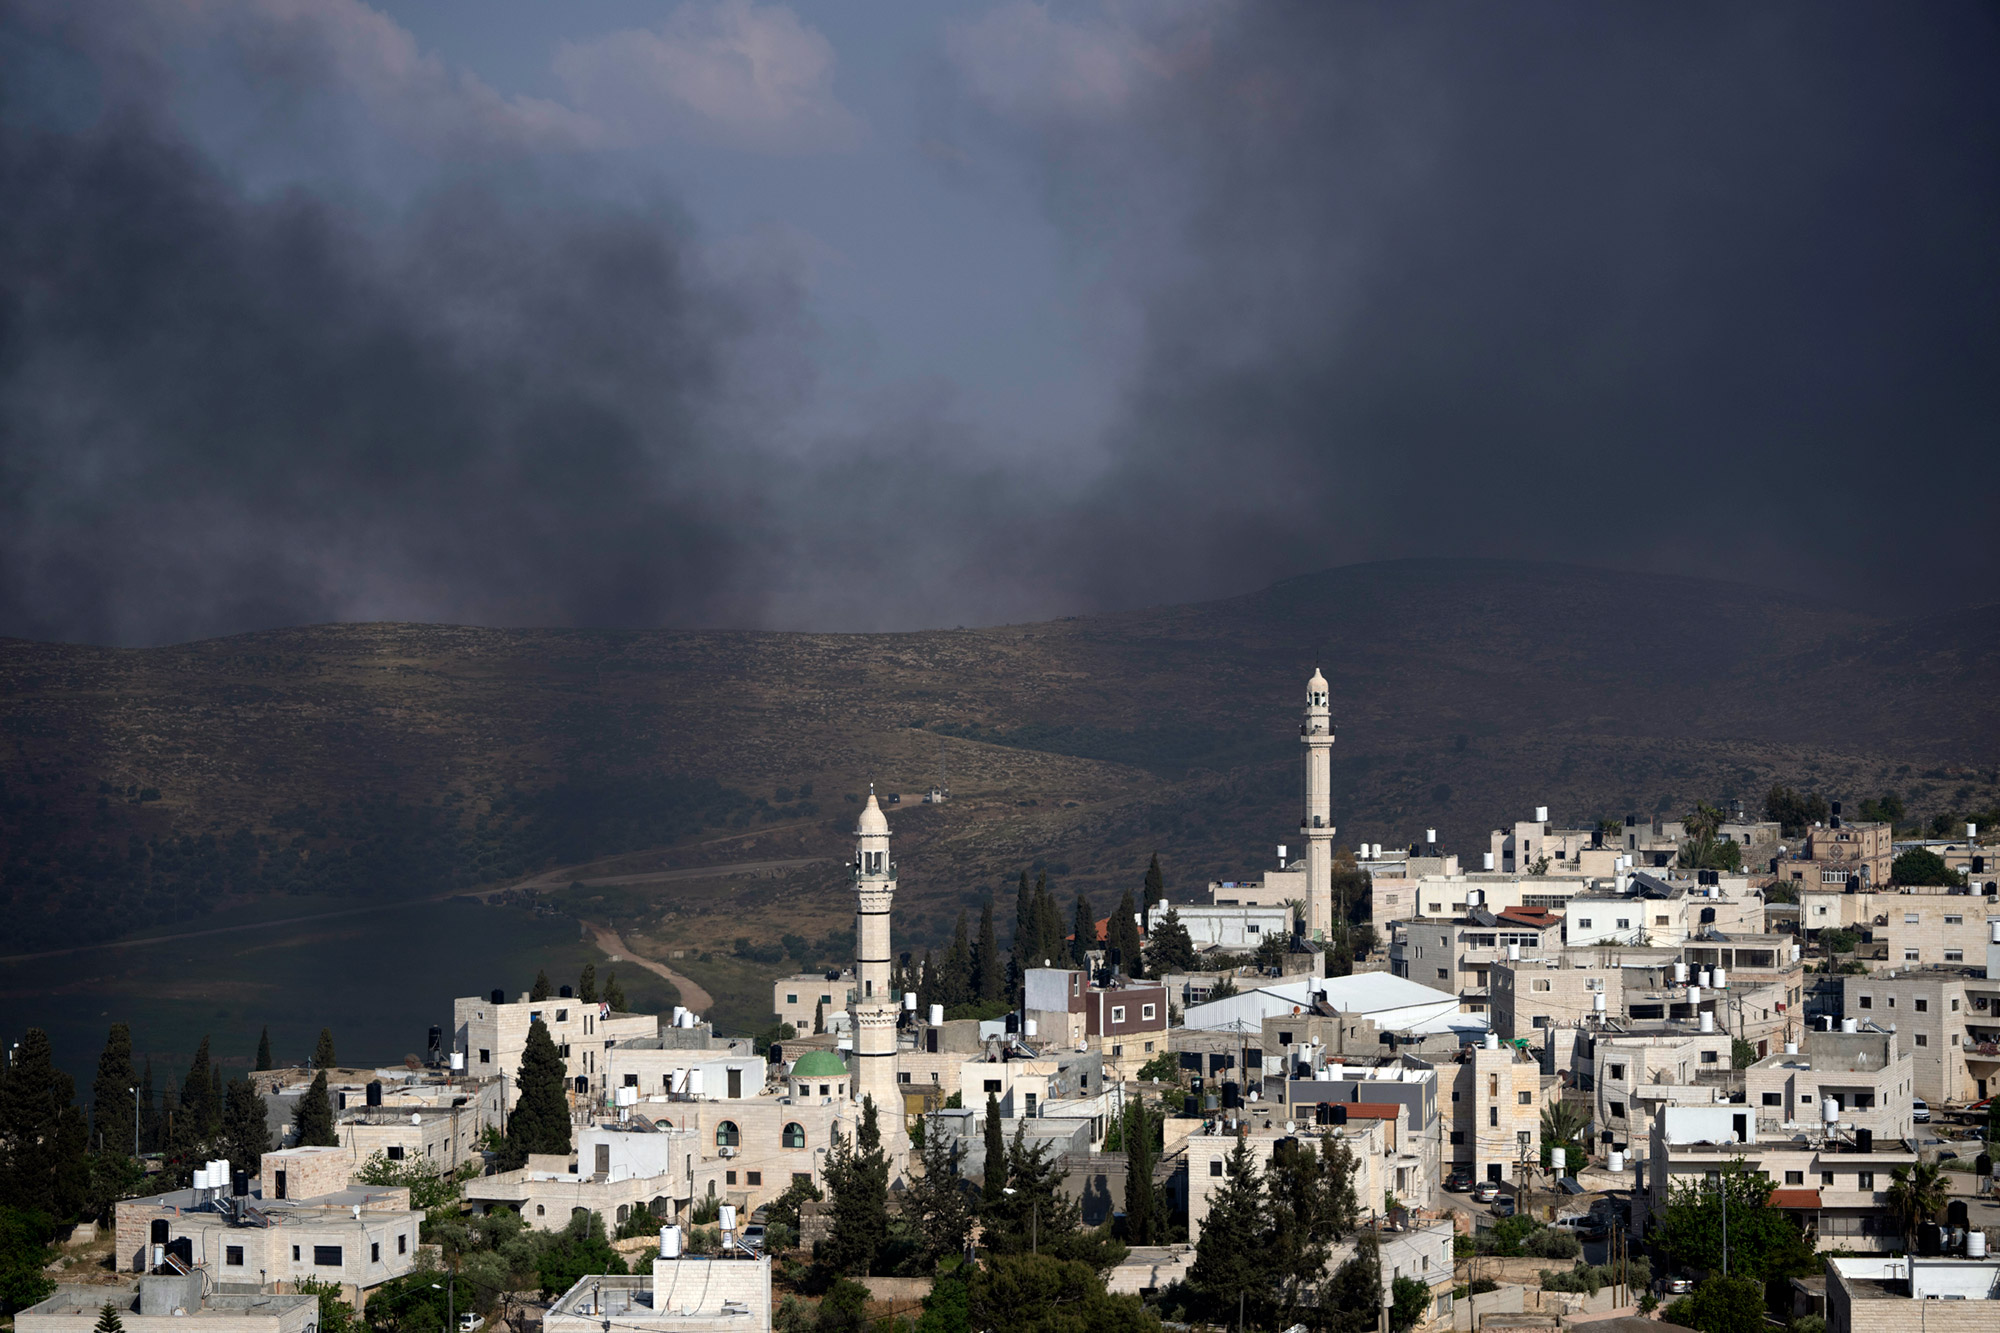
1317,826
874,1010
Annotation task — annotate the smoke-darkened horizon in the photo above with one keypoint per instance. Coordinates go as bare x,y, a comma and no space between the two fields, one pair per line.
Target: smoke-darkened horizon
316,311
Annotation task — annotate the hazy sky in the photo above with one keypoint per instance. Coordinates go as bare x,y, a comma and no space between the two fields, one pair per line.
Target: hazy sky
879,315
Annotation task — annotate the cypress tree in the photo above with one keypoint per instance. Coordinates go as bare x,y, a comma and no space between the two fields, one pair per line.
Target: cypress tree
957,967
1024,924
112,1102
1083,932
149,1114
614,994
264,1049
323,1056
1051,946
314,1118
246,1134
927,982
988,971
541,990
1122,933
586,984
32,1101
995,1179
198,1109
1156,883
108,1320
1139,1158
819,1020
1232,1259
540,1120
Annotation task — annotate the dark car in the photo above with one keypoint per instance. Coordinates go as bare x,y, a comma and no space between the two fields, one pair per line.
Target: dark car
1460,1180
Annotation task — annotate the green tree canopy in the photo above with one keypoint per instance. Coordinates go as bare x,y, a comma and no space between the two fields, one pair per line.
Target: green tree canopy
614,994
1082,931
1234,1261
1916,1196
541,990
1040,1293
113,1102
314,1117
108,1320
935,1205
1720,1304
579,1251
43,1137
1171,948
1793,811
857,1182
540,1119
1122,933
1920,866
586,984
323,1056
1764,1244
264,1050
994,1179
246,1133
989,970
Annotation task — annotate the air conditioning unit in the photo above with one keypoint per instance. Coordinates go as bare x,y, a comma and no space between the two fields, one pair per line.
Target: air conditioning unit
726,1152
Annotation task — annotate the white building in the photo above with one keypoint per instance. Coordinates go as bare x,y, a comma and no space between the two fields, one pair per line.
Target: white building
1392,1004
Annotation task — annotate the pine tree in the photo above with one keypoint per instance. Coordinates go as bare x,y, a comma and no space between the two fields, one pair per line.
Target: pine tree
988,969
264,1050
149,1112
614,994
1232,1259
1033,1212
323,1057
995,1179
1170,948
246,1134
934,1203
1140,1154
819,1020
33,1098
1051,938
927,981
1122,933
199,1112
541,990
1083,932
540,1120
112,1102
957,967
108,1320
586,984
1156,883
857,1181
314,1118
1024,925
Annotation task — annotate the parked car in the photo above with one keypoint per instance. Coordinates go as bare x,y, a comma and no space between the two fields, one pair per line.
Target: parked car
753,1236
1676,1286
1460,1179
1920,1110
1583,1228
1504,1206
1485,1192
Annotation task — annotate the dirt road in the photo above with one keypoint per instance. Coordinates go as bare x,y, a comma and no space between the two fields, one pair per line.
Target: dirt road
693,996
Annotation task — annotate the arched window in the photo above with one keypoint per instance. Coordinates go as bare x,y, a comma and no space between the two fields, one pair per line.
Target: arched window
624,1211
582,1083
726,1135
795,1135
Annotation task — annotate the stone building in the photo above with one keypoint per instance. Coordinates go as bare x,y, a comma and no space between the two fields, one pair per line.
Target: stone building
170,1303
493,1032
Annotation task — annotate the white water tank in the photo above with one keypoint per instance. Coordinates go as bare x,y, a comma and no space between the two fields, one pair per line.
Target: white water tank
680,1012
1829,1111
624,1096
1795,953
1281,853
1971,832
1680,974
694,1083
1486,860
1492,1041
1993,930
1694,995
937,1015
1615,1159
726,1217
1721,978
1850,1025
1375,851
1513,953
1791,1048
1708,1020
670,1242
1975,1239
458,1062
909,1002
1430,836
1541,814
1704,978
1596,1002
1558,1159
1031,1026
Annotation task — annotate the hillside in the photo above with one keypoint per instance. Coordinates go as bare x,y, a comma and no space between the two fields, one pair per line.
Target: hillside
147,790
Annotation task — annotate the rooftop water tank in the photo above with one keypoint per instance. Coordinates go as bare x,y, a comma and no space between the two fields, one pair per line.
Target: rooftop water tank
1541,814
1492,1041
1708,1020
1486,860
1720,978
937,1015
1829,1111
1850,1025
1616,1160
670,1242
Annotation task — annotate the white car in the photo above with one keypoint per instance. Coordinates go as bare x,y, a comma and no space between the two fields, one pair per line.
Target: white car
1920,1110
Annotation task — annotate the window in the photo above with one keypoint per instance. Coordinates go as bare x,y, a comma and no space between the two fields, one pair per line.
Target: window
1774,1099
1458,1136
1864,1180
1215,1166
562,1015
1911,918
1149,1051
729,1177
1443,975
1542,983
1255,929
326,1256
1148,1010
1892,1002
375,1252
1954,920
794,1135
1708,1057
1624,923
1661,921
295,1254
826,999
232,1255
485,1056
791,999
1954,956
1614,1071
1492,1085
1923,1006
726,1134
1923,1040
1617,1110
1493,1117
903,1076
395,1153
1909,956
1867,1001
1954,1006
403,1243
1805,1099
1584,922
992,1085
753,1177
1826,1178
1795,1177
1525,1098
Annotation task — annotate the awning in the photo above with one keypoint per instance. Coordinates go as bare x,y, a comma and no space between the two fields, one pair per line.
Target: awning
1800,1199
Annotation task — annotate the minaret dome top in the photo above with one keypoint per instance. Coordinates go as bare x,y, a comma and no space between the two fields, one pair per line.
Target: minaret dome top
872,818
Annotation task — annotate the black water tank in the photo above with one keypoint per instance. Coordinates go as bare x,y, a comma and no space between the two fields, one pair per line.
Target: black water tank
1231,1095
1955,1214
563,993
1336,1113
1191,1106
375,1092
1864,1140
1930,1240
1978,865
499,997
1835,807
239,1183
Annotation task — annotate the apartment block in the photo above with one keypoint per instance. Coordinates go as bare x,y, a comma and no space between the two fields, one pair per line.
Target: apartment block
1629,1076
803,997
1868,1076
1531,995
1914,1294
1125,1022
1367,1137
1838,853
1457,954
1929,1013
493,1032
1494,1120
1913,931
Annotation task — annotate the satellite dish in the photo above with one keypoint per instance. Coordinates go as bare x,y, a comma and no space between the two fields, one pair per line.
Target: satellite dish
416,1119
1291,1127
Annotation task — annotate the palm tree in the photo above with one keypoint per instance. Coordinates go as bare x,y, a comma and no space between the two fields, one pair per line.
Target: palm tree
1563,1124
1917,1195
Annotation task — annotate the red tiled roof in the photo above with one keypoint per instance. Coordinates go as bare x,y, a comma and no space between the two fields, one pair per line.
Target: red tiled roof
1795,1198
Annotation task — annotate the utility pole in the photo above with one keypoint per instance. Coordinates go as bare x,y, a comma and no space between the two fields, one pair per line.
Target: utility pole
1722,1183
135,1122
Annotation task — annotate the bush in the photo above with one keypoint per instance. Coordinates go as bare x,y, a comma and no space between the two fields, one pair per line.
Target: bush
1582,1278
1481,1285
1551,1243
1810,1323
1648,1303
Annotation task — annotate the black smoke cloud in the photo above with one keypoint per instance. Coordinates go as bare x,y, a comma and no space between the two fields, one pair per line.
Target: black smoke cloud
1707,289
1701,289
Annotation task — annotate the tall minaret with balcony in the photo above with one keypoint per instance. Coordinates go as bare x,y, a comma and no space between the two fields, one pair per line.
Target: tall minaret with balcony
874,1009
1317,826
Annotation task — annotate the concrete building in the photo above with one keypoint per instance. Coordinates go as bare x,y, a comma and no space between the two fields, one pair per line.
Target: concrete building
1458,953
406,1117
1930,1013
1392,1004
299,1220
1024,1084
1403,1090
1208,1153
1234,927
1630,1075
1124,1022
654,1069
1536,847
1834,1181
492,1033
1531,995
1838,853
684,1294
1867,1294
1497,1095
1867,1076
1918,930
804,997
170,1303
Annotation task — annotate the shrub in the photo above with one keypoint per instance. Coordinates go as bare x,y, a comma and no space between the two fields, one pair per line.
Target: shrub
1550,1243
1582,1278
